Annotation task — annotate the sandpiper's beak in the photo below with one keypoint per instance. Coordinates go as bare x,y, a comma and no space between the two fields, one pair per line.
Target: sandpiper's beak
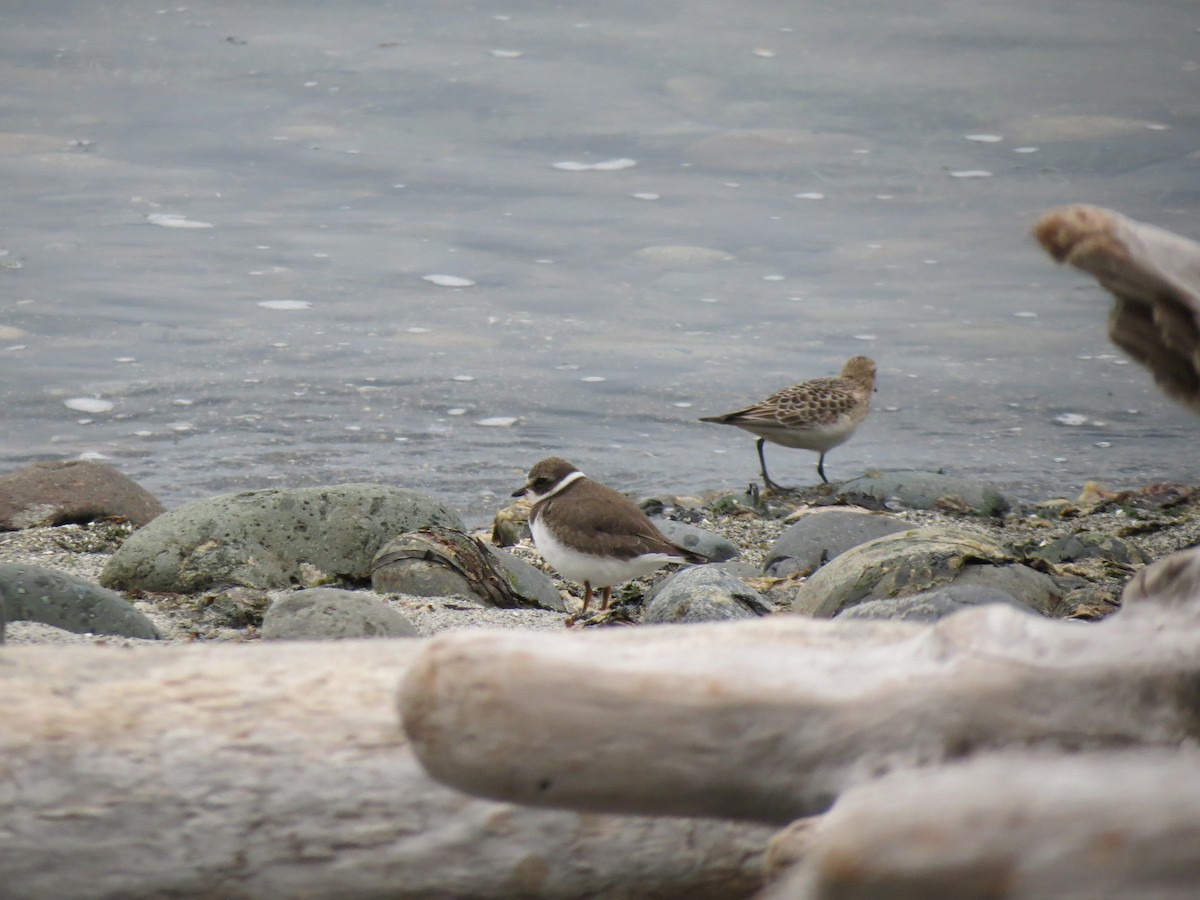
520,492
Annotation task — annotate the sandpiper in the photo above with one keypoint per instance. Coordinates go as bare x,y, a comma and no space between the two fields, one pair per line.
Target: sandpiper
813,415
592,534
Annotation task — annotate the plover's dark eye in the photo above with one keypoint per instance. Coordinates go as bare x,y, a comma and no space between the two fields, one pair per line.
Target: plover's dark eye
541,482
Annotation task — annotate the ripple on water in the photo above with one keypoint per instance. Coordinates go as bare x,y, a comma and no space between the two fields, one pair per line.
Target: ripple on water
88,405
448,280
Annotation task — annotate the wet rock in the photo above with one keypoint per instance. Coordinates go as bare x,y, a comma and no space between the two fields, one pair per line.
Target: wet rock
919,560
703,594
443,562
324,614
823,534
713,547
270,539
929,605
71,492
65,601
929,490
3,616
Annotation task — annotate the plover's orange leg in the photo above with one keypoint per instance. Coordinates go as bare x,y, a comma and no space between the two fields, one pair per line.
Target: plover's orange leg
587,596
607,595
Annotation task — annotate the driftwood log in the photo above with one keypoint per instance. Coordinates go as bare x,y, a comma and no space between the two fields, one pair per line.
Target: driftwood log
1154,277
1086,826
776,719
281,770
771,720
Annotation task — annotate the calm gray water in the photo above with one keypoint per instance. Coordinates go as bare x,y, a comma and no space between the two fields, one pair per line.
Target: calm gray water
217,220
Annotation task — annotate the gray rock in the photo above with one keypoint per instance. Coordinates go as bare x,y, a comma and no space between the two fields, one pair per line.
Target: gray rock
1091,545
68,602
424,578
531,582
1034,590
75,491
738,569
444,562
237,607
823,534
928,490
3,616
270,539
703,594
322,614
714,547
930,605
918,560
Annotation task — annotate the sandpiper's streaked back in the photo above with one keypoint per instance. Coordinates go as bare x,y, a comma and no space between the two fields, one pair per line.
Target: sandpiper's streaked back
813,415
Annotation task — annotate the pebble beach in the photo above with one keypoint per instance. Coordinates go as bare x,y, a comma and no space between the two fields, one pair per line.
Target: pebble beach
1138,526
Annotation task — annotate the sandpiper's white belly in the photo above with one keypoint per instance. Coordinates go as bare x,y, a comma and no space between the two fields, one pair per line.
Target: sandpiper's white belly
598,571
816,437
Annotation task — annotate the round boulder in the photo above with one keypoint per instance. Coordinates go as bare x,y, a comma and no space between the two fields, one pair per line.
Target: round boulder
703,594
65,601
71,492
822,534
919,560
324,614
713,547
270,539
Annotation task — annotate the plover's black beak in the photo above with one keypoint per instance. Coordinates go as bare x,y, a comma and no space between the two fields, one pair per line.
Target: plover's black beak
520,492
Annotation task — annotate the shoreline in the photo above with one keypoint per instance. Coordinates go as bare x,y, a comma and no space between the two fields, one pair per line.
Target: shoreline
1138,518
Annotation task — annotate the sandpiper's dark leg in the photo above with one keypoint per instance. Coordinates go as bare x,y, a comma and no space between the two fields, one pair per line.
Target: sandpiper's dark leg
606,597
762,461
821,467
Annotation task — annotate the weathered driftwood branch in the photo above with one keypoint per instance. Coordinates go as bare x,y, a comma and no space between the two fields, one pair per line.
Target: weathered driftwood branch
1154,276
281,771
1083,826
771,720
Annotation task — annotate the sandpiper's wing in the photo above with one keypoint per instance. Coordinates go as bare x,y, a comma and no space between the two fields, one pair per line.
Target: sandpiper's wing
814,402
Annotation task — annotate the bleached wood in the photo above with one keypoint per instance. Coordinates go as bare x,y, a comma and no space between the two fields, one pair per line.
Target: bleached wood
1098,825
281,770
770,720
1154,277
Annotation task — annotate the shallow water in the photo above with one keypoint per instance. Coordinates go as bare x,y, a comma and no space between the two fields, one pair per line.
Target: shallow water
219,218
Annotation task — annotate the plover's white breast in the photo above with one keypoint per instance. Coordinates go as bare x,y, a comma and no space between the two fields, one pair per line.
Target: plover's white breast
599,571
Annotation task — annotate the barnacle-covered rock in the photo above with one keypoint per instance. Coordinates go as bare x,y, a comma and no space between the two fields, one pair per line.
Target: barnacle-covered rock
438,562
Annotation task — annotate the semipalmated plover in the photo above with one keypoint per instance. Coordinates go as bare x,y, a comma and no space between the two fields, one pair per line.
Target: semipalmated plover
813,415
592,534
